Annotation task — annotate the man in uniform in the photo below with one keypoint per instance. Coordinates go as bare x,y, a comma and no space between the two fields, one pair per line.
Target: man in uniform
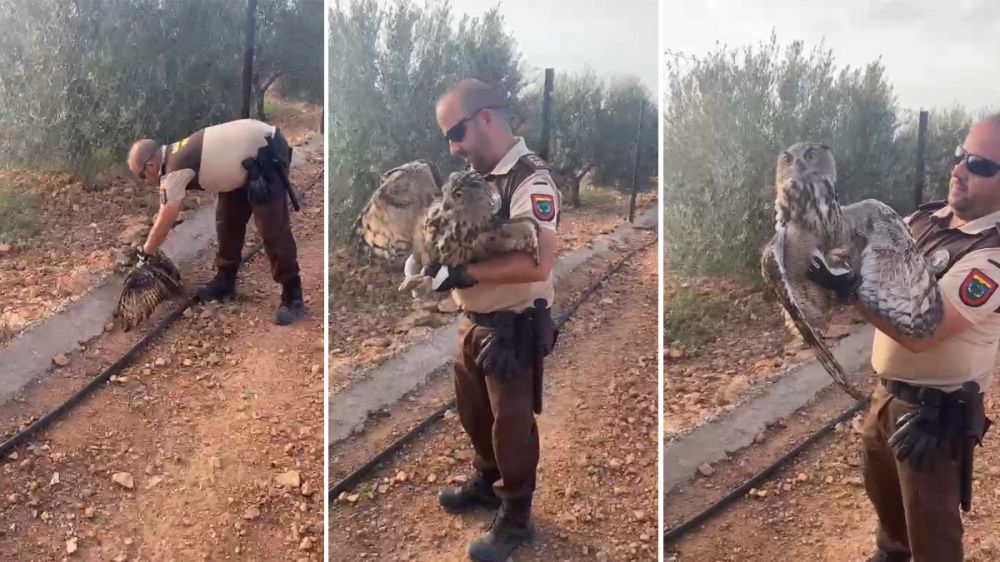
927,412
221,159
498,411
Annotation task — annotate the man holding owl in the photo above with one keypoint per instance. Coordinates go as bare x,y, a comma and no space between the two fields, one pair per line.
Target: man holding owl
927,413
505,300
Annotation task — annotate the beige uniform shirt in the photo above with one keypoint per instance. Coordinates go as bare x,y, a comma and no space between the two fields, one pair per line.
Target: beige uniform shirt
536,197
970,286
217,164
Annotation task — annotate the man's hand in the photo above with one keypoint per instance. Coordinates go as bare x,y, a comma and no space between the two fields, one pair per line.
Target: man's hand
843,282
444,278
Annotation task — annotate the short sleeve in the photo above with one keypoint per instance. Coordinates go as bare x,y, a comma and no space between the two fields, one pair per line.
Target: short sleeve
971,285
537,197
173,186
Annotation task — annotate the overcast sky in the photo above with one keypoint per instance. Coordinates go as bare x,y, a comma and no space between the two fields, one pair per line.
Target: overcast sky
936,52
616,37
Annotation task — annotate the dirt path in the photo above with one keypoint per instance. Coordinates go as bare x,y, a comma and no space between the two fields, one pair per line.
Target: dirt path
816,507
218,426
597,496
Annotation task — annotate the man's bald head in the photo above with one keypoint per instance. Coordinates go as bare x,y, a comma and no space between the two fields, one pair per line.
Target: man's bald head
471,94
475,117
142,157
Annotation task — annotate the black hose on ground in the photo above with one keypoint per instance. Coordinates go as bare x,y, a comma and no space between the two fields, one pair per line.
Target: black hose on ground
674,534
361,472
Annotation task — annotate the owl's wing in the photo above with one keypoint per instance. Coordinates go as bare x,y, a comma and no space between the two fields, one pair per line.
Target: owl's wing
775,278
383,230
144,288
896,283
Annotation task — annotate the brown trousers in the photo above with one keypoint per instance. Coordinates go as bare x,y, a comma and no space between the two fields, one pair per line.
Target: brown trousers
498,417
273,223
918,511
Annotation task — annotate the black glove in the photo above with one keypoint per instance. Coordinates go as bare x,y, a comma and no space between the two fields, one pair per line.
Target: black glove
445,278
844,285
138,257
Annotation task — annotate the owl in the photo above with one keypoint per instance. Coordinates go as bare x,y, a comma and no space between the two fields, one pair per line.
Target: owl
145,286
867,237
462,227
383,230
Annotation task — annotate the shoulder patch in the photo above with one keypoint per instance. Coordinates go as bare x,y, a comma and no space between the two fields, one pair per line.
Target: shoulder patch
977,288
543,206
163,195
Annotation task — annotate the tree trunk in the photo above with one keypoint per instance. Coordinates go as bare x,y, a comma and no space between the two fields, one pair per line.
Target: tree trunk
260,89
574,187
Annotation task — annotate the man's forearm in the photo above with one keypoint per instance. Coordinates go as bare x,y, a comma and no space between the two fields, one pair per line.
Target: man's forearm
161,228
515,267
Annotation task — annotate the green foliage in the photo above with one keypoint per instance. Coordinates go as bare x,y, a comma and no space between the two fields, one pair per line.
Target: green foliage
17,212
78,77
388,65
692,320
594,128
289,36
730,113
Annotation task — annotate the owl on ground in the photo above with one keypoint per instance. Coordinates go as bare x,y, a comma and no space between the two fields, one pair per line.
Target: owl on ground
867,237
145,286
383,230
462,227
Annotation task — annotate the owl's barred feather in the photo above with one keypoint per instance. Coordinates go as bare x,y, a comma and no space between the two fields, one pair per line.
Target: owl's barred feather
868,237
145,286
383,230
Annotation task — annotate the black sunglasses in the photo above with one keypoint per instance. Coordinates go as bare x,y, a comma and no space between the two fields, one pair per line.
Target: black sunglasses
457,132
977,165
142,174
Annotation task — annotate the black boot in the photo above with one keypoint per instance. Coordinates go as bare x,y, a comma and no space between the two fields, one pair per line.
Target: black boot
511,528
476,492
883,556
222,286
292,306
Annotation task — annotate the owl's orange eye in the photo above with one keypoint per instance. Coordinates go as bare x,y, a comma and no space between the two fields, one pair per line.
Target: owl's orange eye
786,158
810,155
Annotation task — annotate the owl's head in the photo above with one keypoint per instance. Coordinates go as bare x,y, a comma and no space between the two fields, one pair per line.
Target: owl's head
468,194
807,161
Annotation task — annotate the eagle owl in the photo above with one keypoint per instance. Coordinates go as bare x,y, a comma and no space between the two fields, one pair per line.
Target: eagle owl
144,287
867,237
462,227
383,230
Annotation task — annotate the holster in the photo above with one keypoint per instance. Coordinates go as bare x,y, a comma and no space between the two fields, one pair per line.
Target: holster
546,335
517,343
976,425
269,170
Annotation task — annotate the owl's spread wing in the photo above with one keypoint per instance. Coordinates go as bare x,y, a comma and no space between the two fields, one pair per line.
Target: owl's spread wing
383,230
896,283
144,288
774,274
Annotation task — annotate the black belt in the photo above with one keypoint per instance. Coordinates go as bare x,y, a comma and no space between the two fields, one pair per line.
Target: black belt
493,319
911,392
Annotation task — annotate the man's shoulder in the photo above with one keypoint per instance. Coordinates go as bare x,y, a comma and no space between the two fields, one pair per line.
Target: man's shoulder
534,162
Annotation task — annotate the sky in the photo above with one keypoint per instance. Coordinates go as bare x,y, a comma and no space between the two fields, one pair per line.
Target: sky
612,38
937,53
